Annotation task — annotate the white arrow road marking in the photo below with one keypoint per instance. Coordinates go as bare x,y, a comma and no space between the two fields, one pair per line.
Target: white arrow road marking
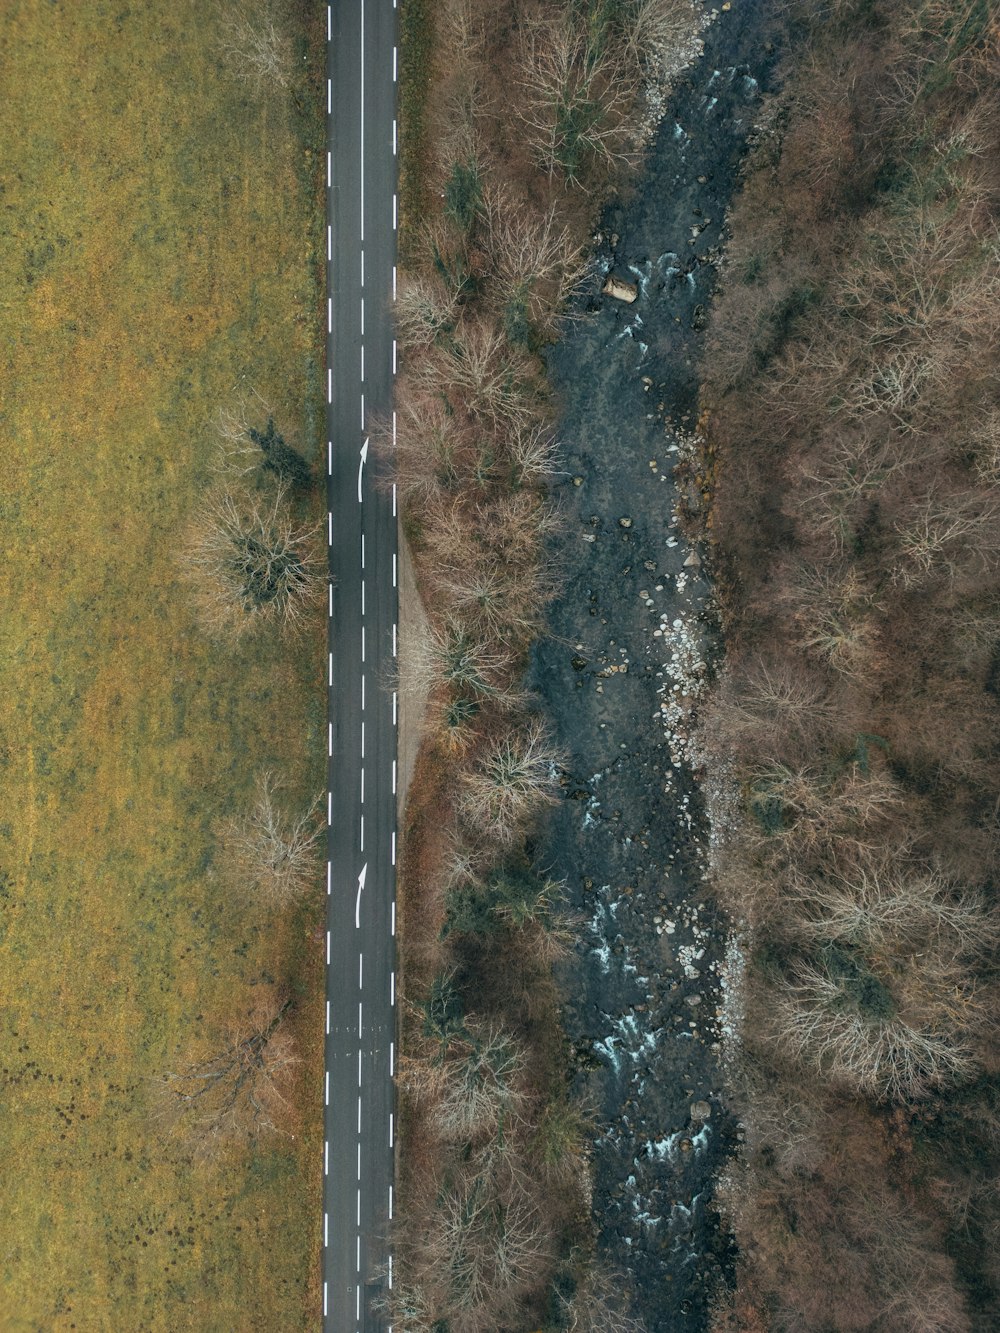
357,904
361,466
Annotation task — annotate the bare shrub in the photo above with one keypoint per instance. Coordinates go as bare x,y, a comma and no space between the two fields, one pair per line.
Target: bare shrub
251,565
600,1306
425,309
255,48
512,779
239,1093
272,855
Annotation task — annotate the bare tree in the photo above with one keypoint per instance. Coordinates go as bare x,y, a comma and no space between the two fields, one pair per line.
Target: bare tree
576,98
500,603
599,1305
272,855
425,309
947,534
768,706
513,778
837,617
842,815
254,47
657,34
251,565
886,1000
534,455
537,262
494,379
241,1091
482,1089
237,454
489,1244
448,655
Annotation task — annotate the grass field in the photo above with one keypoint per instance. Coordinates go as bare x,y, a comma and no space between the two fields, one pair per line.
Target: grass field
159,250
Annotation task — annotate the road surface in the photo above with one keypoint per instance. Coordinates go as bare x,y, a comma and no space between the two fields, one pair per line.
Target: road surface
361,912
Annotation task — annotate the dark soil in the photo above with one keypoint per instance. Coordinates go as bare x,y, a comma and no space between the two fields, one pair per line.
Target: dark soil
629,839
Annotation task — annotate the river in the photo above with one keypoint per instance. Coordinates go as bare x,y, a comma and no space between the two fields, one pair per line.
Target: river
629,642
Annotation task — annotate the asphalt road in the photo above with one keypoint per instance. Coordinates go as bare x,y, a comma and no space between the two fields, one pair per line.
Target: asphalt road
361,911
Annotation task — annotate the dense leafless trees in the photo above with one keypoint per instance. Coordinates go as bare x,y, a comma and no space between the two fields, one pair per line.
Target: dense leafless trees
852,388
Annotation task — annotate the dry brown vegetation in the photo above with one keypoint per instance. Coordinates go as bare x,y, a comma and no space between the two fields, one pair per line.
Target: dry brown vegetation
851,403
494,1189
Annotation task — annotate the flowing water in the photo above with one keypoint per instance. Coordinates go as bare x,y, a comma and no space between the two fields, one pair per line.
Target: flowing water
624,663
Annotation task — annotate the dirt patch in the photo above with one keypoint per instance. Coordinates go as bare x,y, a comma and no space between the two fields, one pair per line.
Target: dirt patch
413,628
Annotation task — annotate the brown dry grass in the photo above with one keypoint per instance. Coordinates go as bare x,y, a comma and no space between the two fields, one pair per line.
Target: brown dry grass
157,249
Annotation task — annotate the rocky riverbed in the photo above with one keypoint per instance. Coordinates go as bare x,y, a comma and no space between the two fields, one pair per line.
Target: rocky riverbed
629,645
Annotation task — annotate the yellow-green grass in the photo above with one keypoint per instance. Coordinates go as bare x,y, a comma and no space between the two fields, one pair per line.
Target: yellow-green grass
159,246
